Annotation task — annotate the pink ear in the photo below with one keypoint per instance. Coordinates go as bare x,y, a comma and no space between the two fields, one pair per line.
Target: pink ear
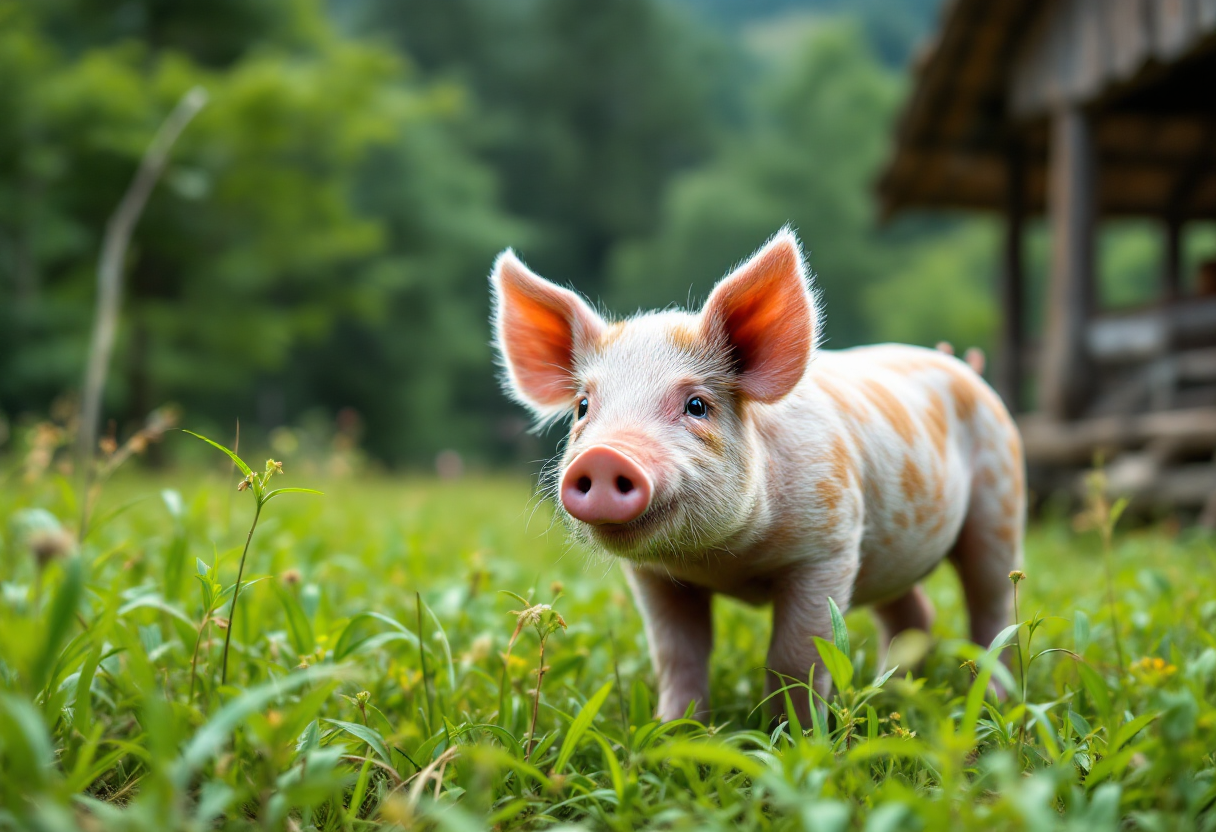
539,329
765,313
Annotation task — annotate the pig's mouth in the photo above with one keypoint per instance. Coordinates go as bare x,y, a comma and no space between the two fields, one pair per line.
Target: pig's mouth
622,537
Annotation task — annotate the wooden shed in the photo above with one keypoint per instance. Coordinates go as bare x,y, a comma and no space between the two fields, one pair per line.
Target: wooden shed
1081,110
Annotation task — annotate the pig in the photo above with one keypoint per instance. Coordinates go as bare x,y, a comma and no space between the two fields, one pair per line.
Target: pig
723,451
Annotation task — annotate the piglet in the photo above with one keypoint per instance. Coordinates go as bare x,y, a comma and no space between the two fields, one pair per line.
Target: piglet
722,451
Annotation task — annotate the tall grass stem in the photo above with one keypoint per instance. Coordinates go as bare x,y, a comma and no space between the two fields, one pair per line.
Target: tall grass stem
540,676
236,591
1107,559
426,687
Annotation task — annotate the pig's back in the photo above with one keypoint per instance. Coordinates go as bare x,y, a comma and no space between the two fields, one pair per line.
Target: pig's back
921,427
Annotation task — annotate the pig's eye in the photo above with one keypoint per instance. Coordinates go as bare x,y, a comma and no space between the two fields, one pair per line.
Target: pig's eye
696,407
582,407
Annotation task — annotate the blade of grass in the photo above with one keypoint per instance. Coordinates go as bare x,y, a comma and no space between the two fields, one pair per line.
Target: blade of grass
426,680
240,463
580,725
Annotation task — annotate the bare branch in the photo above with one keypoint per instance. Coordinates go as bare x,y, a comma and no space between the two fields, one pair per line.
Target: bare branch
110,268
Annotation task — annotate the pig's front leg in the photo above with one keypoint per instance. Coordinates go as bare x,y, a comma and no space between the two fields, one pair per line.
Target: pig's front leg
679,627
800,612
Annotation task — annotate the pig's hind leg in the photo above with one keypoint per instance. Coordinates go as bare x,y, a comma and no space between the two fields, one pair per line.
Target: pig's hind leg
911,611
988,548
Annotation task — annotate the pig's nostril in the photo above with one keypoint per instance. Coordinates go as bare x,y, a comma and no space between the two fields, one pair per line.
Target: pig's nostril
603,486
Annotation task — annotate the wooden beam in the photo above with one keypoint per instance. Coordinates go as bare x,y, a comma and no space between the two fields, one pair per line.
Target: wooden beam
1171,274
1050,442
1063,388
1012,282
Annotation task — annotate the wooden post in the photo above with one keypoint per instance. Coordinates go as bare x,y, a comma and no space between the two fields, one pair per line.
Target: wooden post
1010,293
1171,275
1063,379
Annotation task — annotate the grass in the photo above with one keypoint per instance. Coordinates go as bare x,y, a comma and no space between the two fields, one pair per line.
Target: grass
372,680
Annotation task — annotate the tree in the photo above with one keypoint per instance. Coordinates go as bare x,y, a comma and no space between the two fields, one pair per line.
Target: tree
588,109
807,160
279,225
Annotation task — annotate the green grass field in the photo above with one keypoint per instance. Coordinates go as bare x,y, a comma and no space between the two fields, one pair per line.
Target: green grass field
337,715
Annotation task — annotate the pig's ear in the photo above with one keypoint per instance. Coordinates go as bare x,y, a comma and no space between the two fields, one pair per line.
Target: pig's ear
539,329
766,315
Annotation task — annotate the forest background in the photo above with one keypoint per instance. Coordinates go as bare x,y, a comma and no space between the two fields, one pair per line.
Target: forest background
314,260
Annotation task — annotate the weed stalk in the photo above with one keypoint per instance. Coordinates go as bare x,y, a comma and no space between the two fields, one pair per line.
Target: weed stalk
1103,516
540,677
257,484
194,657
546,621
1108,557
236,591
1015,577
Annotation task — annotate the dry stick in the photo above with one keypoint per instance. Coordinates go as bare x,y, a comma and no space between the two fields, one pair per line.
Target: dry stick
424,776
109,279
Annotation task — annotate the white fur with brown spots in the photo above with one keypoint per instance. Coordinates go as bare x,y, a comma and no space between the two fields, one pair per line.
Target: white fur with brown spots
810,474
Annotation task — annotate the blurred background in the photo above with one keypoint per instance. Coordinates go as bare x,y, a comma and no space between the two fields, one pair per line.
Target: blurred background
313,260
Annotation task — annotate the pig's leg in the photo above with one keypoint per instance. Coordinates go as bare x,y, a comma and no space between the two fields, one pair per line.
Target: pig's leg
911,611
800,611
679,628
988,548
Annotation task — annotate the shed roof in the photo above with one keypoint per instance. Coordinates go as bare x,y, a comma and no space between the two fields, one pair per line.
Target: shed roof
1144,69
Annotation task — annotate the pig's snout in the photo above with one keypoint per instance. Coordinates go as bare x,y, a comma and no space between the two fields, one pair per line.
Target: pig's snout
603,485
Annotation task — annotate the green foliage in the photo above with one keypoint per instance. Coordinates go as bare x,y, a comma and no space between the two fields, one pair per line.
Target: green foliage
587,109
321,237
320,240
941,290
351,704
273,232
808,160
257,485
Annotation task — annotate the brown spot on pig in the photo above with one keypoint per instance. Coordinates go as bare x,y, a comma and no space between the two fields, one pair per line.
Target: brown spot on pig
885,402
684,337
936,424
848,407
873,494
841,466
709,437
912,480
938,524
906,364
1015,451
829,492
963,389
612,334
